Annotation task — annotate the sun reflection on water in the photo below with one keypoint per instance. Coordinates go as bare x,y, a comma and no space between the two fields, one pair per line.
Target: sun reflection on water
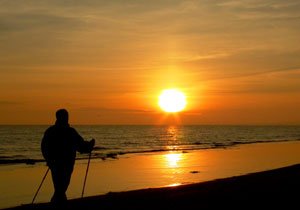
173,159
173,162
172,132
174,185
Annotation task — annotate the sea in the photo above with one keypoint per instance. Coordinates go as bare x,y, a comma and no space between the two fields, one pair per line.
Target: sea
21,145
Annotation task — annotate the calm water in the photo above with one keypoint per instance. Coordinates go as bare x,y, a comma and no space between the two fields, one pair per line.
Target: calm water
21,144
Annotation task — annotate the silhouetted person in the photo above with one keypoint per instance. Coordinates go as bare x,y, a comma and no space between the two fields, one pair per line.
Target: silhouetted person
59,146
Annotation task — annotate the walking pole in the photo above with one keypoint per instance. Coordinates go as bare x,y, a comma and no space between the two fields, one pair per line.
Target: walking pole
87,169
40,186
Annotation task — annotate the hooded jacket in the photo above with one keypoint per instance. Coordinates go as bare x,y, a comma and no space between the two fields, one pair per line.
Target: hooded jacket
60,143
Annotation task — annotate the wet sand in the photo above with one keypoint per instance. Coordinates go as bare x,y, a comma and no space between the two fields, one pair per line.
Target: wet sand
176,170
269,189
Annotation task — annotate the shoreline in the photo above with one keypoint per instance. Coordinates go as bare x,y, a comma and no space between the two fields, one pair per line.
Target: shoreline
115,155
152,170
268,188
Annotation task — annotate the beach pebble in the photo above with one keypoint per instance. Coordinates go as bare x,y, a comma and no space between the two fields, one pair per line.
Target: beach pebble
112,155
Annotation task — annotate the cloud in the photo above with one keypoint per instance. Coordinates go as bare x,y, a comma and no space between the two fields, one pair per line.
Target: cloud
9,103
191,58
277,82
262,10
109,110
36,21
243,63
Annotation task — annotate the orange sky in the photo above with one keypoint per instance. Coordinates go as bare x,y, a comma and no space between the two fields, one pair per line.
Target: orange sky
107,61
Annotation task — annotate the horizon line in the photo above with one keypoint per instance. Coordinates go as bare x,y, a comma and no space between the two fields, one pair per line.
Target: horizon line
296,124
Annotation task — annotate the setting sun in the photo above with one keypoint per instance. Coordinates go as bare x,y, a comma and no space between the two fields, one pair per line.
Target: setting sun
172,100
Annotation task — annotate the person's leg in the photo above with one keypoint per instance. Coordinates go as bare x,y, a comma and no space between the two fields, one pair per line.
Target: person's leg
58,195
61,179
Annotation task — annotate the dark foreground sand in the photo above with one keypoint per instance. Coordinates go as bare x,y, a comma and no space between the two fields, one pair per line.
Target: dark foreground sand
263,190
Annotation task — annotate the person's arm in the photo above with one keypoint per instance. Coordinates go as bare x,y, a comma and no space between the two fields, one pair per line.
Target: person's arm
46,148
83,146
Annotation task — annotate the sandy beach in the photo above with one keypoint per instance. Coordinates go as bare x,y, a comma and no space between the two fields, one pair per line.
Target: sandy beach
269,189
204,177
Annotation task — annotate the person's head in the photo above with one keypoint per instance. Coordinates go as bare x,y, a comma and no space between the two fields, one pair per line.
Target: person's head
62,116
